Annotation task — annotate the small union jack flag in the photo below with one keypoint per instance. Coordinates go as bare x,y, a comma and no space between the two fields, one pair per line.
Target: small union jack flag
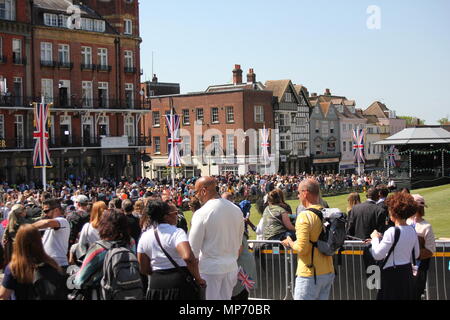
265,144
245,280
41,155
358,145
173,125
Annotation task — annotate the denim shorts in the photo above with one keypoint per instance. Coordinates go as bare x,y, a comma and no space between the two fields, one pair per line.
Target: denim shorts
307,289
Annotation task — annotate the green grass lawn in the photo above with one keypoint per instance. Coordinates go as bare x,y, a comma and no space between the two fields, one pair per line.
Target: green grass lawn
437,213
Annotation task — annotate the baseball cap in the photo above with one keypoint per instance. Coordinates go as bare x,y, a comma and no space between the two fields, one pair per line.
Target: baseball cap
82,199
420,200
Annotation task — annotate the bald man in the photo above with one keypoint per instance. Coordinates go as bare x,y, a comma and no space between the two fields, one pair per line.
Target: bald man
216,238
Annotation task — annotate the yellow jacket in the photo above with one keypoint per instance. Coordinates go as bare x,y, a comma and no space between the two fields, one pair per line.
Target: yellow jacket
308,228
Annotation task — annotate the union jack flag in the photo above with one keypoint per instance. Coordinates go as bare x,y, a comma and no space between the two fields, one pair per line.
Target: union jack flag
245,280
173,125
41,155
391,155
265,144
358,145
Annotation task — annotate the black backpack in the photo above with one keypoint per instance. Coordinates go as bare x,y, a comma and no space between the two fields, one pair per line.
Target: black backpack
121,277
332,237
49,284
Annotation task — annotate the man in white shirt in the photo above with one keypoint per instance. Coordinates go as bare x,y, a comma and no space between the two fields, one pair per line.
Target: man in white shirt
56,236
216,238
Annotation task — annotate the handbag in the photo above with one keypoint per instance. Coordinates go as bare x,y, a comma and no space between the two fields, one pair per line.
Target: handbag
188,276
367,254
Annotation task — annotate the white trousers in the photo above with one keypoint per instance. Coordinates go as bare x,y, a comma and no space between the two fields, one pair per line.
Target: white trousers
220,286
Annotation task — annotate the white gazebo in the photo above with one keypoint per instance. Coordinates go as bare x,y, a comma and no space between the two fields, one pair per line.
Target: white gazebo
420,141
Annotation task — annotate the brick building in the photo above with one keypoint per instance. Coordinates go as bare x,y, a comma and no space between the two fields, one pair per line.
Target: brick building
217,144
85,60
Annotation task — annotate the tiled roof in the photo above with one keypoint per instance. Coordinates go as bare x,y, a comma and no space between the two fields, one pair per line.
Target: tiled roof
62,5
377,109
278,87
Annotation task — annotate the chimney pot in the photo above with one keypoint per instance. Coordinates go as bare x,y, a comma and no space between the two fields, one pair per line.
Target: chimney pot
237,74
251,76
327,92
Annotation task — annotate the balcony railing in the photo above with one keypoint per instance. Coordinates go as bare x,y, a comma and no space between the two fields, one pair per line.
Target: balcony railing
130,70
19,60
75,103
65,65
61,142
48,63
103,67
87,66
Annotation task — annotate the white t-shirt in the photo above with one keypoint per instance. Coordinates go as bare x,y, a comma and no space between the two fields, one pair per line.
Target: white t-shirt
402,253
56,242
216,236
424,229
170,237
88,235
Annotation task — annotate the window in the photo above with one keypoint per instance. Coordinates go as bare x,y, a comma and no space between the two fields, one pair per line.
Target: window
200,145
87,24
186,146
285,143
130,129
157,144
99,26
86,91
129,59
46,52
86,56
2,126
19,131
51,20
215,115
200,115
288,97
156,118
64,53
259,114
186,120
331,145
344,127
284,119
230,114
215,146
62,21
47,90
17,51
103,95
7,9
344,146
230,145
128,26
103,56
1,49
129,94
317,126
331,127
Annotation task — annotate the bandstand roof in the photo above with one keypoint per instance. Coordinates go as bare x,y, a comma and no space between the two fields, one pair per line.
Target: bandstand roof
419,135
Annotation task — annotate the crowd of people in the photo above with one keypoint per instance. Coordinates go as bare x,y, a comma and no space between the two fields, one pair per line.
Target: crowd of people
130,240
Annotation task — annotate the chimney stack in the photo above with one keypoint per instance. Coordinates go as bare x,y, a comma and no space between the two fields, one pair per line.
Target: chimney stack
155,78
237,74
327,92
251,76
313,94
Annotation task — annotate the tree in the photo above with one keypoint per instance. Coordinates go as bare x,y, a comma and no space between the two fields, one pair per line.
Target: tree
413,121
443,121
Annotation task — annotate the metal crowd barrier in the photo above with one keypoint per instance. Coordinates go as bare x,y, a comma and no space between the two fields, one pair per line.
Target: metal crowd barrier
276,272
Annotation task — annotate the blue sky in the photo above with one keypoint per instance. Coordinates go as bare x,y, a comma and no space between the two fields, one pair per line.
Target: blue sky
320,44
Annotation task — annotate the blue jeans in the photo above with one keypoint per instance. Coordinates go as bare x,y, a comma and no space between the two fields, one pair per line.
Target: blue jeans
306,289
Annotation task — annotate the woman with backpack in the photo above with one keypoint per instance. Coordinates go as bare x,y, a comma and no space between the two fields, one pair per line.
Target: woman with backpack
399,248
113,230
164,253
29,267
276,221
